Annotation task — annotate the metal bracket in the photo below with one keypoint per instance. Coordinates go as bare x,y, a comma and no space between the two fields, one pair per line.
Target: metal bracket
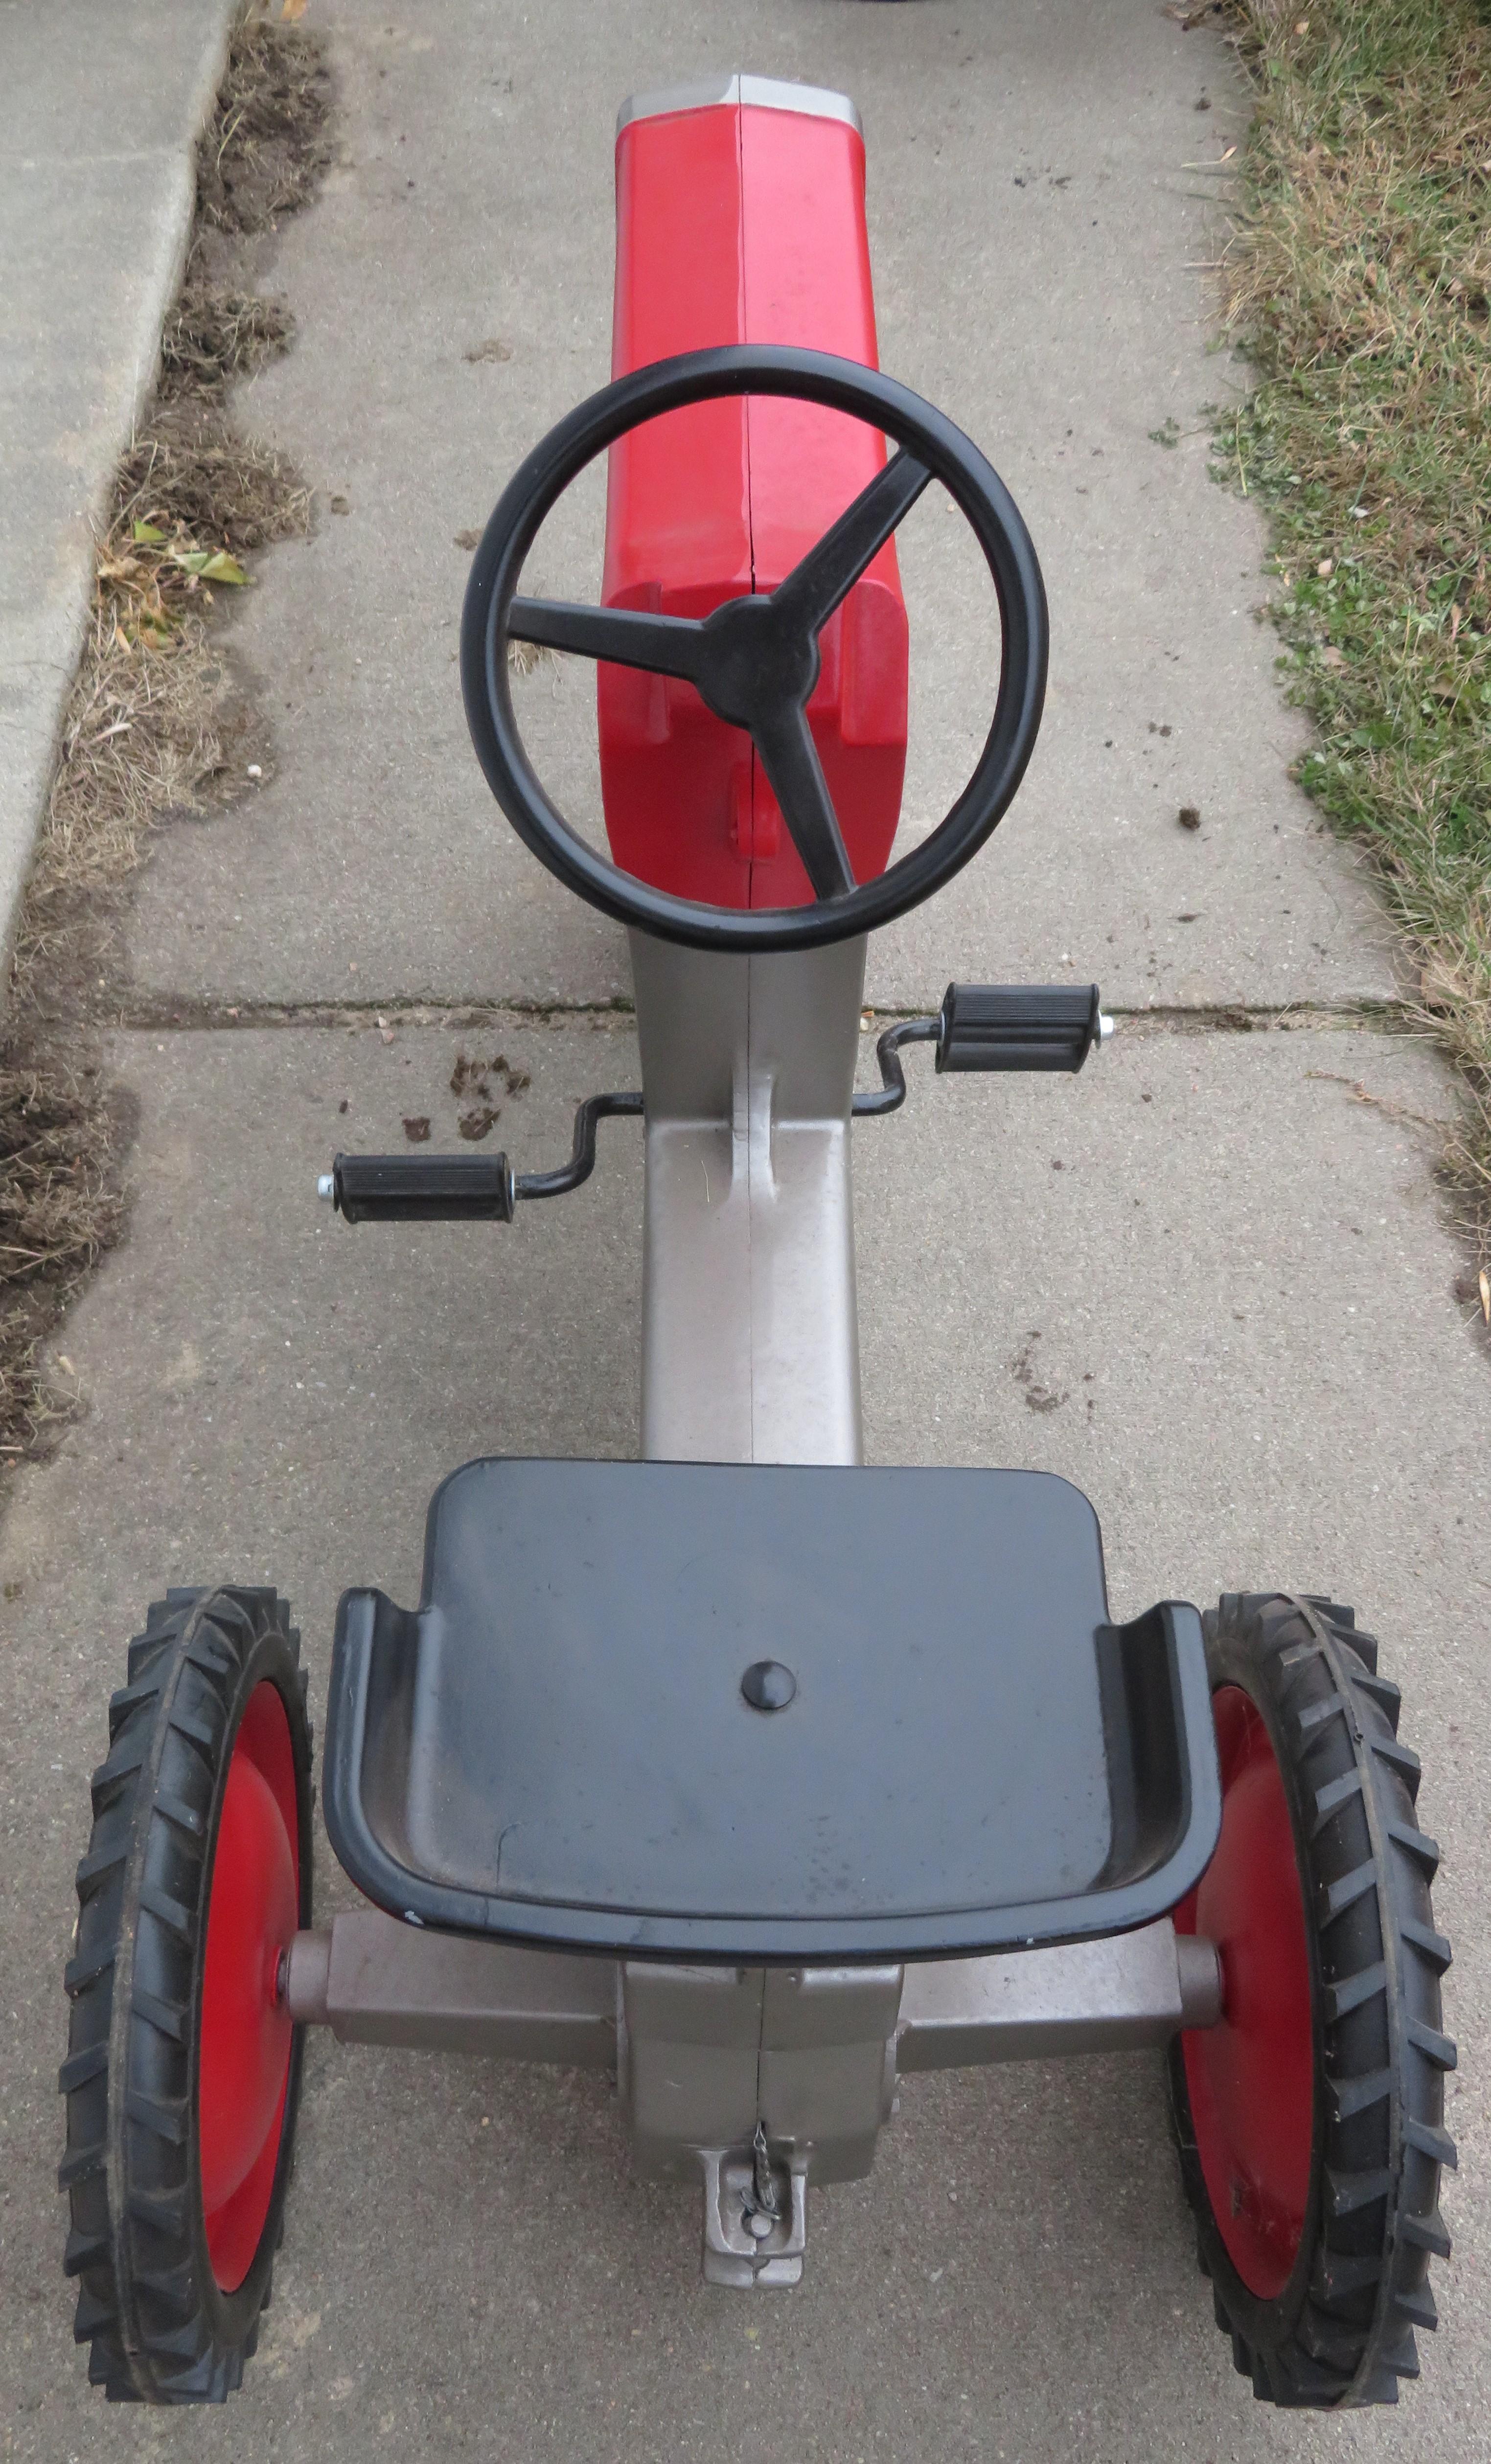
746,2245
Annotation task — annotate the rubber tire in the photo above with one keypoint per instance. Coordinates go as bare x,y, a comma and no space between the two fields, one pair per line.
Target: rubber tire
161,2330
1341,2333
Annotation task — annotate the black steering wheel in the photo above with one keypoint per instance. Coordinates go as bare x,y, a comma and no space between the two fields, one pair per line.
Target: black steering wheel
754,661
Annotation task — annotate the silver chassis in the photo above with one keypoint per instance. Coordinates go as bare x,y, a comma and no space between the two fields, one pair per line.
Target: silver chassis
760,2078
705,2058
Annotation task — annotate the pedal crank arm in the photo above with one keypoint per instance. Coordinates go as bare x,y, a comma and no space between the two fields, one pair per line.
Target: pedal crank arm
459,1188
994,1026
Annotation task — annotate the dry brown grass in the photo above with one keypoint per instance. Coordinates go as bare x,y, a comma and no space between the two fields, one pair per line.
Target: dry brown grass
267,147
148,725
215,334
144,731
60,1208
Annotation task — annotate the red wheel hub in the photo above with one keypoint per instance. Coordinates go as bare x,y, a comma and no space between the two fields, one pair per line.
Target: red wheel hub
253,1910
1251,2079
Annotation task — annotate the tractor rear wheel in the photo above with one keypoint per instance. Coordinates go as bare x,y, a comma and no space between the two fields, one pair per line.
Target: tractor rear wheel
184,2067
1311,2123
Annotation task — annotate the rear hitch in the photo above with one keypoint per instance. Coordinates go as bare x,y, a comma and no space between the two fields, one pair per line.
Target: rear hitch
755,2218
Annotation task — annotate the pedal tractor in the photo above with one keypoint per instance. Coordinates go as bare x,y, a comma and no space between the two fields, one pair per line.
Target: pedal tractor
746,1773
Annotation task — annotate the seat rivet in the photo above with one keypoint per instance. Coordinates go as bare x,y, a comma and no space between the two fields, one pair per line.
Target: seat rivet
768,1686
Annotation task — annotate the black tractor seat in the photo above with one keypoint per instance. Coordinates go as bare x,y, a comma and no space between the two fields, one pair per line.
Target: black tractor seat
761,1714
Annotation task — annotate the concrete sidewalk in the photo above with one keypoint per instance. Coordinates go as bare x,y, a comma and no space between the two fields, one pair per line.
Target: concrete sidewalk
1221,1277
1032,232
104,100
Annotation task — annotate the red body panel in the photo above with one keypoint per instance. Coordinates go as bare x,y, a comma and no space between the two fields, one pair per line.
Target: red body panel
743,224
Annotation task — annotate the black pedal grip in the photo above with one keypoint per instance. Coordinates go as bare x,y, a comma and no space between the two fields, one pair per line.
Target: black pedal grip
423,1189
1017,1027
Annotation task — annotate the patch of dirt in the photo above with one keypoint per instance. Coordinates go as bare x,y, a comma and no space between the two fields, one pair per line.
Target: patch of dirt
1038,1397
155,723
268,145
215,334
474,1076
471,1076
191,473
60,1207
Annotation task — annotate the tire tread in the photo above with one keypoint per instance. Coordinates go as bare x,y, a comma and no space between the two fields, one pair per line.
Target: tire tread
154,2331
1343,2333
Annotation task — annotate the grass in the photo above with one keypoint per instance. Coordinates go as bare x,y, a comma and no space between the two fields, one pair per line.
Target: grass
1358,281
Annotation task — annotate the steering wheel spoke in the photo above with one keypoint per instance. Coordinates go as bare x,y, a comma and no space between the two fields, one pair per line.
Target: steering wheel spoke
825,576
665,646
789,757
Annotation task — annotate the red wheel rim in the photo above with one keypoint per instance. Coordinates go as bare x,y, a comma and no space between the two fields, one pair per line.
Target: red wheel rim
1251,2079
243,2074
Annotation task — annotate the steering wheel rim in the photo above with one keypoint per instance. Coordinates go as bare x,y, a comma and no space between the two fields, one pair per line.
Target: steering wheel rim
487,624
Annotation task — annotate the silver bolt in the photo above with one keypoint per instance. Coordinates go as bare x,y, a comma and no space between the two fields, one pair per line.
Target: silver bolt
758,2226
327,1186
1104,1026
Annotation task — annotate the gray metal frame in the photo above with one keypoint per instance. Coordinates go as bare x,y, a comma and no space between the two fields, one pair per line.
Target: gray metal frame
756,2080
749,1338
767,93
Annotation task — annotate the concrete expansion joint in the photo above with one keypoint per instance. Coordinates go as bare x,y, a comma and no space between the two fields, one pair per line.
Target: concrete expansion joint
166,1013
1243,1018
185,1014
